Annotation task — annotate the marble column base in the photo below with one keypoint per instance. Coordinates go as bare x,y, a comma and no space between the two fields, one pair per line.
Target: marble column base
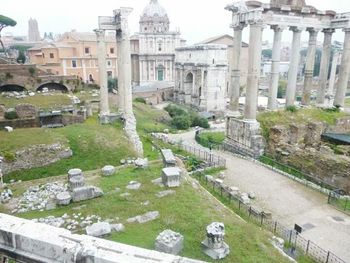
244,137
215,253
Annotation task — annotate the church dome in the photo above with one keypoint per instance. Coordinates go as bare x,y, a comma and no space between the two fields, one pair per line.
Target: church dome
154,18
154,9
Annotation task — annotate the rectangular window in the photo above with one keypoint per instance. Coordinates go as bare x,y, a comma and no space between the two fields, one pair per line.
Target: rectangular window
109,63
74,63
111,50
87,50
52,55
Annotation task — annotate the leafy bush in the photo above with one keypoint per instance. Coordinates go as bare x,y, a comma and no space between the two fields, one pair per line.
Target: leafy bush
11,115
9,156
32,71
140,100
292,108
174,110
200,121
181,122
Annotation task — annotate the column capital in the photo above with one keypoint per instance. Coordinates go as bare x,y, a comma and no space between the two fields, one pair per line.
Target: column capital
256,23
313,30
346,30
328,30
278,28
239,27
296,29
100,33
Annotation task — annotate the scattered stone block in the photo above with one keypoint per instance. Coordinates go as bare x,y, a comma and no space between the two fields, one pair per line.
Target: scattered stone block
141,219
8,129
171,176
108,170
251,195
118,227
74,172
122,161
51,204
158,182
168,158
86,193
165,193
209,178
133,185
99,229
125,194
222,175
169,242
141,163
214,245
26,111
63,198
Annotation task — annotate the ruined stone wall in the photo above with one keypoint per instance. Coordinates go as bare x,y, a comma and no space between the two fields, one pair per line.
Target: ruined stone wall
300,146
37,156
20,123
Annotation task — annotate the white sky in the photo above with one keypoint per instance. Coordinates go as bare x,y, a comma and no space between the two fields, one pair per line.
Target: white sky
197,19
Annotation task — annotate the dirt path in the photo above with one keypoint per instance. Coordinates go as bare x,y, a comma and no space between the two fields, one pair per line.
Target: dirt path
290,202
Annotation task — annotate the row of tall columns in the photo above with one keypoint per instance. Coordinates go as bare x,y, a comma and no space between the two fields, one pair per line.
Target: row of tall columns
326,56
236,73
254,64
293,66
101,45
275,67
344,72
309,68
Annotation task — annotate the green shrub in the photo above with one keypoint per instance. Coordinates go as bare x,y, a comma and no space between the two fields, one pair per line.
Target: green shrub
32,71
174,110
140,100
291,108
199,121
181,122
9,156
11,115
335,109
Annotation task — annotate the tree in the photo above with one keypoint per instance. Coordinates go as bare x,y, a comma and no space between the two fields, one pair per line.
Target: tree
5,22
21,57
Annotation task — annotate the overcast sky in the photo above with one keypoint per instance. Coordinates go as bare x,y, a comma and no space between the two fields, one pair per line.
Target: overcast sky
197,19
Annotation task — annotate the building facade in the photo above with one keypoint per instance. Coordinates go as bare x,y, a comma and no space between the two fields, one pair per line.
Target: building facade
75,54
201,73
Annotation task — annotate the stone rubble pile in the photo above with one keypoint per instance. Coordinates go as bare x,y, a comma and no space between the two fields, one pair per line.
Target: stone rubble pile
37,197
5,196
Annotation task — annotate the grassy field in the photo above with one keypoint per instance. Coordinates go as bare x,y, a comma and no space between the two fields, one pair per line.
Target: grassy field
93,146
40,101
347,102
188,211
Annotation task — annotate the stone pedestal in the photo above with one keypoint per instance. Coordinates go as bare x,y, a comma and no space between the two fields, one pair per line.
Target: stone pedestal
214,245
169,242
244,137
171,176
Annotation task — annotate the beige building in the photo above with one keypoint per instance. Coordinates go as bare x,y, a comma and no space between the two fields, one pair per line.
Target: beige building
228,40
75,54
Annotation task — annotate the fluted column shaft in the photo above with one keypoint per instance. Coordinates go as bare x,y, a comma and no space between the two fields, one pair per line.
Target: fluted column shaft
254,65
333,74
275,67
344,72
326,55
235,72
101,45
293,67
309,68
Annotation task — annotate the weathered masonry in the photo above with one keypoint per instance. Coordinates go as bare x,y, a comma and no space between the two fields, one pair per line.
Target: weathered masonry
26,241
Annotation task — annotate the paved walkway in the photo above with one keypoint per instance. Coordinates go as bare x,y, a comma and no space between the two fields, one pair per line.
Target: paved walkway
289,201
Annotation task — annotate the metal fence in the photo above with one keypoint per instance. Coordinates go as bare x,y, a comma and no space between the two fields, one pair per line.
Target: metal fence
339,201
296,241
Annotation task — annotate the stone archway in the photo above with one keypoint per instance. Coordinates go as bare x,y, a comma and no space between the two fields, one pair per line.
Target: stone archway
53,86
11,88
188,87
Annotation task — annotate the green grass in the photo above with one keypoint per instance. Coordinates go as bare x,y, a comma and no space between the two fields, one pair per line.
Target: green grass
40,101
93,146
302,116
347,102
211,139
188,212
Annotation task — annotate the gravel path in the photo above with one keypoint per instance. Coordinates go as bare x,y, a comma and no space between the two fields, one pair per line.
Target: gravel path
289,202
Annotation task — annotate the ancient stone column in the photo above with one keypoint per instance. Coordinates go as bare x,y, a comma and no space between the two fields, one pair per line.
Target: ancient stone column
293,67
101,45
275,67
236,73
309,68
333,74
254,65
344,72
124,60
326,55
